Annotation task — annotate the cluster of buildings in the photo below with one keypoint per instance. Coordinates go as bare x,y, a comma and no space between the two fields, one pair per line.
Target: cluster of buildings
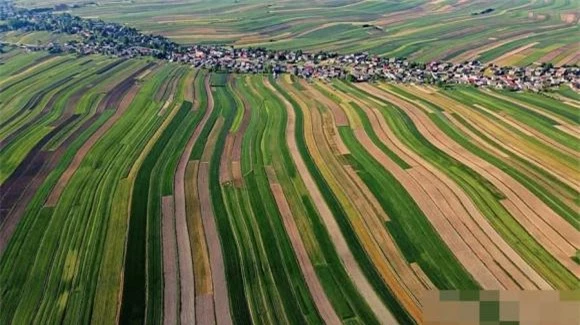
97,36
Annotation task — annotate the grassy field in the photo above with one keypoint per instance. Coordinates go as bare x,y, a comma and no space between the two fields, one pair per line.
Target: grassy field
515,32
139,190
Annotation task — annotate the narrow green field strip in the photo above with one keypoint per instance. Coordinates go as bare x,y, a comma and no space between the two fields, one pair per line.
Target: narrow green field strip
143,285
253,283
19,63
240,111
568,92
31,101
339,288
198,147
338,211
264,300
33,73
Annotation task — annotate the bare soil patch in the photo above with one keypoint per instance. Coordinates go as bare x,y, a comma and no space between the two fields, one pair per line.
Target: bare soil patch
170,288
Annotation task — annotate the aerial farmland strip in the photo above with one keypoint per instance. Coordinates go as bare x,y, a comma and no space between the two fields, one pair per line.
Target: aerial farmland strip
170,263
18,63
527,122
47,117
225,268
37,72
119,100
277,177
95,183
479,230
555,194
143,264
369,270
273,248
32,103
565,188
187,283
531,219
326,141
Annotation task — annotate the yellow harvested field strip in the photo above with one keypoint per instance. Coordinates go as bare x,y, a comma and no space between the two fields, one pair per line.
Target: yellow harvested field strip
474,137
201,267
225,170
189,87
421,275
